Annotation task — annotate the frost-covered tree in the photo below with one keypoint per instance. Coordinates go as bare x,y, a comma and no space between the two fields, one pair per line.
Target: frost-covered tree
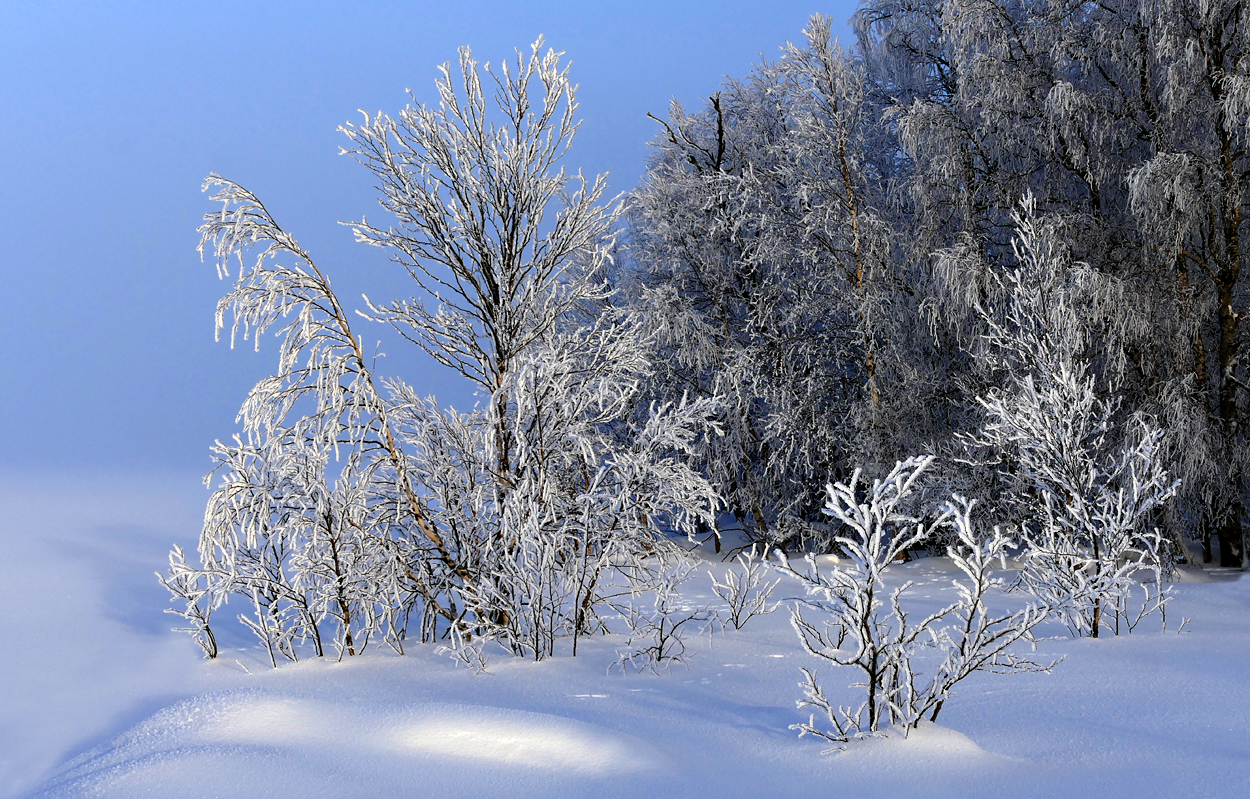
288,527
762,257
520,314
991,99
1083,479
514,522
1191,200
704,290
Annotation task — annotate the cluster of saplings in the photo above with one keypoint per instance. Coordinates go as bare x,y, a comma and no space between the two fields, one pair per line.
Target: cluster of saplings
994,252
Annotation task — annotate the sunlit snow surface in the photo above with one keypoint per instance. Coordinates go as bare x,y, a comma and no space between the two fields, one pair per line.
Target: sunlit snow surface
98,700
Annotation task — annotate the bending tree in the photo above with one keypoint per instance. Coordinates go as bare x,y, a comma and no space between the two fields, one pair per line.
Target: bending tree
514,522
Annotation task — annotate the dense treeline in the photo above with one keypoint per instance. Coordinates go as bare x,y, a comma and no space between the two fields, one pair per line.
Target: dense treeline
823,244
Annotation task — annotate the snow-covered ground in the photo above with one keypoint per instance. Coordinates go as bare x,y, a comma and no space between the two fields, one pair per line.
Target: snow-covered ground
98,699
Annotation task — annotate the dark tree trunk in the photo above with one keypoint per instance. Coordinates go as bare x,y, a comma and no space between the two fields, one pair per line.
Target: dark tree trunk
1229,532
1232,541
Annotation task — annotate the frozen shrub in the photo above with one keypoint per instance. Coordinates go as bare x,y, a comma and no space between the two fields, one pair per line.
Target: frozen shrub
852,617
658,634
745,589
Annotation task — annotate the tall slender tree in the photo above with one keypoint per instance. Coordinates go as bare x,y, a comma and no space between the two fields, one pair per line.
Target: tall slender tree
764,254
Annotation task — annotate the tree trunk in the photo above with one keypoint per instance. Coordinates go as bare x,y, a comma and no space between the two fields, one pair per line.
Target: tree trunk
1232,541
1229,532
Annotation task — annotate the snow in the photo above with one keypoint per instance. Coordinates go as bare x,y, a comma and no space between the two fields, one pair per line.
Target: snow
98,699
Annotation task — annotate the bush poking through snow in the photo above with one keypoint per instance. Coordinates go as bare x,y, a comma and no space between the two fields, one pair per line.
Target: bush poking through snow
657,635
190,585
745,591
864,624
465,650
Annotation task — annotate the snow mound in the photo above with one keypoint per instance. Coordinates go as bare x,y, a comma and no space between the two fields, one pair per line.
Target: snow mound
282,741
550,742
929,745
490,735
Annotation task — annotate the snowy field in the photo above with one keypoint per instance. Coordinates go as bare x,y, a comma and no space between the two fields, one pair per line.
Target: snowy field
99,699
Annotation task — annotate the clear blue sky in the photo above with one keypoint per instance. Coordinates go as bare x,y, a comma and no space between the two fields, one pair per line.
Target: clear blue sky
113,112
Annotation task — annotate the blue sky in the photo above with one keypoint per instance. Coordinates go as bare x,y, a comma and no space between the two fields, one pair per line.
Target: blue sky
113,113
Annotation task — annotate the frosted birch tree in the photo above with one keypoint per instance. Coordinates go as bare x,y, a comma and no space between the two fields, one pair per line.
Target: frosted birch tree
1083,479
702,287
1190,199
514,522
764,259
